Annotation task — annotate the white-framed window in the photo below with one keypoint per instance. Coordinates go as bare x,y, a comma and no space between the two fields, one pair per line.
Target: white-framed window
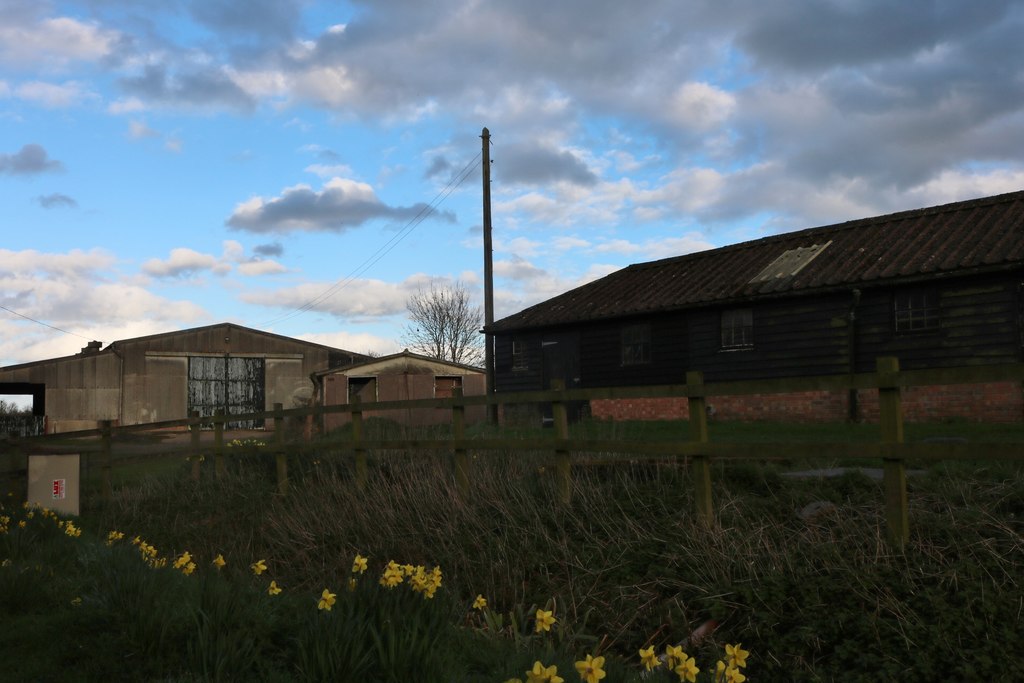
916,310
636,344
519,358
738,328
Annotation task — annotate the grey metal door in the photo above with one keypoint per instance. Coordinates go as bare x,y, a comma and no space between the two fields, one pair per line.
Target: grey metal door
236,385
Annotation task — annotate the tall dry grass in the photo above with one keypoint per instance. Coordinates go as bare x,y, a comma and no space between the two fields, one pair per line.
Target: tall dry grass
627,564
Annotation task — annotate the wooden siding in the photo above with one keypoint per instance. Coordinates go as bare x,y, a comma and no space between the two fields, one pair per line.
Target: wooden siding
979,323
805,336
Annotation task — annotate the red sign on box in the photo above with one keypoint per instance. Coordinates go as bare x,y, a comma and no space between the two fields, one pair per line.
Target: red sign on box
58,488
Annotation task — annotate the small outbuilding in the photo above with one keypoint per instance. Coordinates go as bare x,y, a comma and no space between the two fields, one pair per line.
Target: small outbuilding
166,376
398,377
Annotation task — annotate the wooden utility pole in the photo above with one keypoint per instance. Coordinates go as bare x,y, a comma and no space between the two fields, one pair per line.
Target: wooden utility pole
492,409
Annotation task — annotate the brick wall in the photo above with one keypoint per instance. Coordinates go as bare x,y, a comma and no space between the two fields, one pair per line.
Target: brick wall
992,402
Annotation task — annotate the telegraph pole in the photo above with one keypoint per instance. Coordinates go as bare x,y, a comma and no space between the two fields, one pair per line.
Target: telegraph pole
492,409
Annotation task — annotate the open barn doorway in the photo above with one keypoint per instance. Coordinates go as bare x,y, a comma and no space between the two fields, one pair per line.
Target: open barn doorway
22,408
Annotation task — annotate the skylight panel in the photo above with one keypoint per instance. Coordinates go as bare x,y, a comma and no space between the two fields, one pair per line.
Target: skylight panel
790,263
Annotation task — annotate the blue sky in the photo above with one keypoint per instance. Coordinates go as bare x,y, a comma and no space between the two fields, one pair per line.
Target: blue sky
176,163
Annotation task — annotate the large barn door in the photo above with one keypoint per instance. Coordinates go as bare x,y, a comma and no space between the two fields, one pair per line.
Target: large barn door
235,384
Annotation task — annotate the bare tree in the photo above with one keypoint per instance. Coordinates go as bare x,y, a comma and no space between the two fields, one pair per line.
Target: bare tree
444,324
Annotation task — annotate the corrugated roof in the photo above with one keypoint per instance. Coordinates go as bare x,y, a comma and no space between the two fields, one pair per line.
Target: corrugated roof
975,235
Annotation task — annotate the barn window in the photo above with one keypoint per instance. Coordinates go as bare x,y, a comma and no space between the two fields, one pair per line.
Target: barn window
636,345
738,328
363,388
916,310
519,360
444,387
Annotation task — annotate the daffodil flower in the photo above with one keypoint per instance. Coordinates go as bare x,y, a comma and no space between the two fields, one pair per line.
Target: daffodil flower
480,602
219,561
736,655
674,655
648,658
359,564
543,674
274,589
687,670
327,600
545,620
258,567
591,669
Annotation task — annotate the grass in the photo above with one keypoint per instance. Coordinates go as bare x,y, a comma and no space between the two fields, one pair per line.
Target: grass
623,566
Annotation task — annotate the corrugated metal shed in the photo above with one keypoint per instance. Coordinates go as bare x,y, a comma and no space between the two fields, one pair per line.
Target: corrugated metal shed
964,237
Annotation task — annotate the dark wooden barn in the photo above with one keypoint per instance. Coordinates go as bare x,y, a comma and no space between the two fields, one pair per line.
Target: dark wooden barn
935,287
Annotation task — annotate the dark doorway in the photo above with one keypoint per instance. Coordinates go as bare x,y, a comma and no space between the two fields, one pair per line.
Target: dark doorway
560,360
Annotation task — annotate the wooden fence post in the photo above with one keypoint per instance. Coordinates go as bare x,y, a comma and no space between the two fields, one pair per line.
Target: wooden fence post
890,419
106,487
459,433
280,457
563,466
218,443
700,466
357,437
196,456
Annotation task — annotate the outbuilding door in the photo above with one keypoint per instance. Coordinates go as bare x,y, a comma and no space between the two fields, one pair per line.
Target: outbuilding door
237,385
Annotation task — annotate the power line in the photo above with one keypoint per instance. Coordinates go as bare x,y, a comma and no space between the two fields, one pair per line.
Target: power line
40,322
388,246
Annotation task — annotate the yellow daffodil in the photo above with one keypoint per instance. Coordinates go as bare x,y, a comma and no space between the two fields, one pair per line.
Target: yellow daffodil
274,589
219,561
258,567
674,655
21,524
113,537
648,658
545,620
359,564
392,575
734,675
591,669
480,602
687,670
736,655
352,583
183,560
327,600
543,674
77,602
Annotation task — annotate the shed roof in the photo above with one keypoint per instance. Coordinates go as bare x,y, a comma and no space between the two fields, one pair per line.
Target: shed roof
404,361
971,236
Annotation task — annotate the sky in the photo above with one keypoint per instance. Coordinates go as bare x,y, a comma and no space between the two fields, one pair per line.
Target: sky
304,167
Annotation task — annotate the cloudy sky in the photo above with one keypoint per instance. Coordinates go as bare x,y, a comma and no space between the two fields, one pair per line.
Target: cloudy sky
302,166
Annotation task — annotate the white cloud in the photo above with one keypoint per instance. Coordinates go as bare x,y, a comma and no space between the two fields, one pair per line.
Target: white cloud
329,170
701,106
137,130
340,205
262,267
126,105
183,262
54,96
54,43
357,342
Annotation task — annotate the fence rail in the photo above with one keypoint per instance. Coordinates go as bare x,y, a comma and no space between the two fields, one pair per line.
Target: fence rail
698,450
